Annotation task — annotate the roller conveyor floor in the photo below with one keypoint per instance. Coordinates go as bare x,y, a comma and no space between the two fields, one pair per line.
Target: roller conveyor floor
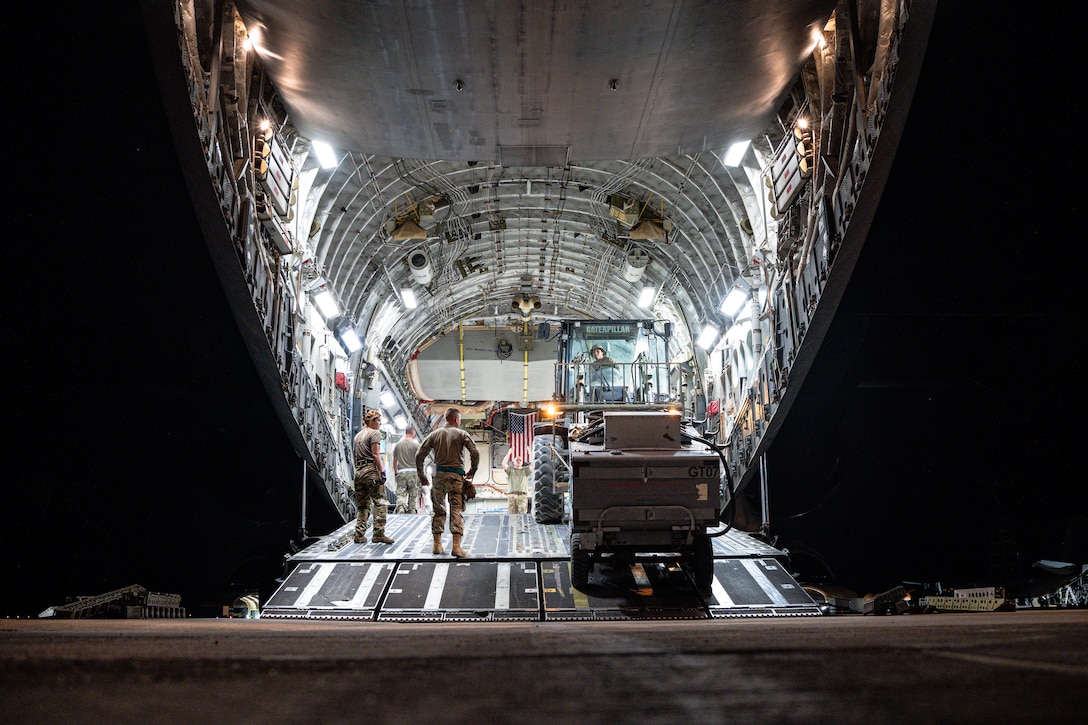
517,569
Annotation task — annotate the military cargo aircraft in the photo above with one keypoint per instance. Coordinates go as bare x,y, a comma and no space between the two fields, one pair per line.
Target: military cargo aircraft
411,197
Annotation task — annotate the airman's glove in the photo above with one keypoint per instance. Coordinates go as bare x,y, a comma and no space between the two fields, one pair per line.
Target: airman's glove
468,491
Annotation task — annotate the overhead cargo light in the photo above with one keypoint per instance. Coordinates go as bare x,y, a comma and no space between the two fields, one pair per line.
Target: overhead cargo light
420,264
408,229
735,153
648,229
348,337
387,398
736,297
325,155
326,304
635,264
647,297
409,298
400,421
707,337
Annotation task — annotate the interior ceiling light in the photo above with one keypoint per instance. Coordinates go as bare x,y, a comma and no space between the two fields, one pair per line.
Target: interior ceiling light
735,153
325,155
408,229
352,343
707,337
735,298
387,398
326,304
646,298
409,298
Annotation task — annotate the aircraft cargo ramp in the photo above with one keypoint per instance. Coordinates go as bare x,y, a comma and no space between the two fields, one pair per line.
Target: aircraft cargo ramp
519,570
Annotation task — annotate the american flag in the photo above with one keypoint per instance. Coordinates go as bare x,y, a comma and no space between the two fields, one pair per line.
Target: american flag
521,435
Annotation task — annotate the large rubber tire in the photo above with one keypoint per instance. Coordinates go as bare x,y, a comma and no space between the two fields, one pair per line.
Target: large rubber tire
702,562
549,506
579,567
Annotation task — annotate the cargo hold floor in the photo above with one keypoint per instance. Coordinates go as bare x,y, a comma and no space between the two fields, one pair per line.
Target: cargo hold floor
517,569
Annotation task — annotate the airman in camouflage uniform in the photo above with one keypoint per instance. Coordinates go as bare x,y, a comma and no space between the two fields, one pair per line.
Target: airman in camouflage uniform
404,466
370,480
449,444
517,488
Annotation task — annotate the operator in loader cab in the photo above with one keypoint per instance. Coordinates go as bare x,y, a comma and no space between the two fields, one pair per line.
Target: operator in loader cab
600,356
602,373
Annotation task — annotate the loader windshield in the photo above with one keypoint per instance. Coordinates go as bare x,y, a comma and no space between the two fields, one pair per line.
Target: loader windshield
616,362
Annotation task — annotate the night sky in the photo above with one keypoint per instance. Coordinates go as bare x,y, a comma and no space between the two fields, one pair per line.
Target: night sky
938,437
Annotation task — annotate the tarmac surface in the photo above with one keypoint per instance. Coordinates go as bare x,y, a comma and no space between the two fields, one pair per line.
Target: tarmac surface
1029,665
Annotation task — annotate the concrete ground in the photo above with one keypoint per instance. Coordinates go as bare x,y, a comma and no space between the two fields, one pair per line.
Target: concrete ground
1022,666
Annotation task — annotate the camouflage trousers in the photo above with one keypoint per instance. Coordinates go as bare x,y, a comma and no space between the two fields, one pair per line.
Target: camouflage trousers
517,503
369,491
407,492
447,486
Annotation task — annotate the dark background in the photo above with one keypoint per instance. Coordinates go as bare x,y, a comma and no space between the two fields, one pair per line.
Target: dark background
938,437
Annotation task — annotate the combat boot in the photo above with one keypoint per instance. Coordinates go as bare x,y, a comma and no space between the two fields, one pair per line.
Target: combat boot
437,545
382,539
457,550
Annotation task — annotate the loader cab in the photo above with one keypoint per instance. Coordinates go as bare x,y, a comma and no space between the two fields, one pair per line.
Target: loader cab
634,366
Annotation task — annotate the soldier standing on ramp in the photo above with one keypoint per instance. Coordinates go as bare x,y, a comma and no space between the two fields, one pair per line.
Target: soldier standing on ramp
450,478
404,465
370,480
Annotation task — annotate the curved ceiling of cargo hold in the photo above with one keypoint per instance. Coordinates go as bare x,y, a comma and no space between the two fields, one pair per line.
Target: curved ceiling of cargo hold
545,235
512,163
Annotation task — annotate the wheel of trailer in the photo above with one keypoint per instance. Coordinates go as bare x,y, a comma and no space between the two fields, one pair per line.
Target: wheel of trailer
548,504
702,562
579,567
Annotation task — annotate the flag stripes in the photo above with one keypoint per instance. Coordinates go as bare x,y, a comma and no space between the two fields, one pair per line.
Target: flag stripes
521,434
